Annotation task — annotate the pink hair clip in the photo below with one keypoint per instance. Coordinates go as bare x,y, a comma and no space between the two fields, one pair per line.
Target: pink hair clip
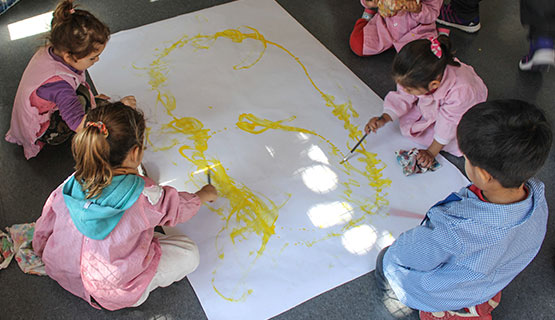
71,11
436,47
100,125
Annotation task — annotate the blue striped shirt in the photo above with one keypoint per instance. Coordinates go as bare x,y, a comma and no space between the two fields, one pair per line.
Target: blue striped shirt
466,250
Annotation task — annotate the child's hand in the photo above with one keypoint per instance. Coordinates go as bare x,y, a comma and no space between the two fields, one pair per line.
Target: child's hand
208,193
377,122
413,6
372,3
425,158
102,96
129,101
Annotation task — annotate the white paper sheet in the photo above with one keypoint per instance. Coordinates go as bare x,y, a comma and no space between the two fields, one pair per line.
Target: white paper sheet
291,221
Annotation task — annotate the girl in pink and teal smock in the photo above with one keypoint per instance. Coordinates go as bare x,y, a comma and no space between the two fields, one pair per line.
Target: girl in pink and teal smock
53,95
434,90
96,232
393,23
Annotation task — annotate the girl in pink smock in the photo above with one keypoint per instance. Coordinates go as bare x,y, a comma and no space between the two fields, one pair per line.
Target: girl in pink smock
96,232
397,23
434,90
53,96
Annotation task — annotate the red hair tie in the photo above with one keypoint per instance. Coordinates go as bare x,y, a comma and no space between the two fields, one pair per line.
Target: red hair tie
100,125
436,47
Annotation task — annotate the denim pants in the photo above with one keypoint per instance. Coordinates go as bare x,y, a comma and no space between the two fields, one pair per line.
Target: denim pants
381,280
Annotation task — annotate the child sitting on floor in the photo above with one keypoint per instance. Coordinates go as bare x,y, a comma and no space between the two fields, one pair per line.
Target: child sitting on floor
434,90
96,232
53,95
472,244
398,23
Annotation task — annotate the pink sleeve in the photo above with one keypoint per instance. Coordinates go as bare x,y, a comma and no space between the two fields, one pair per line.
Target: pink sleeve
363,2
429,13
397,103
44,226
177,206
451,111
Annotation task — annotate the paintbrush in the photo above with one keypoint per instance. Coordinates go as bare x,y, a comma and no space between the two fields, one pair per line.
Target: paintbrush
208,174
347,157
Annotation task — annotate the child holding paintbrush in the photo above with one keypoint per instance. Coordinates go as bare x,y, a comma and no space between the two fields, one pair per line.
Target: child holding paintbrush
474,242
96,232
434,90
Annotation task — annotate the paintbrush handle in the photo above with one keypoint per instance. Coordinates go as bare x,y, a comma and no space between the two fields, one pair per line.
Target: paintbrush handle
208,177
359,142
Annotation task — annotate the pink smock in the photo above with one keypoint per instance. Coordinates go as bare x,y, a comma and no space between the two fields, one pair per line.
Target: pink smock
435,116
29,110
382,33
116,270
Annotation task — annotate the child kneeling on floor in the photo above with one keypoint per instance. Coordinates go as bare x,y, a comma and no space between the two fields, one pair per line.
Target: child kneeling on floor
53,96
96,233
472,244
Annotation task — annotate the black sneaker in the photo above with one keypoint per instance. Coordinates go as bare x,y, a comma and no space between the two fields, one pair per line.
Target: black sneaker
448,17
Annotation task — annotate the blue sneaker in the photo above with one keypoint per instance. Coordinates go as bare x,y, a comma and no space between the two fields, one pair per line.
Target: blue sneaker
448,17
540,57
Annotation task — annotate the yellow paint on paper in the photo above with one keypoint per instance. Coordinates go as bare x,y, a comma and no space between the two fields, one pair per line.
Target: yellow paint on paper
251,213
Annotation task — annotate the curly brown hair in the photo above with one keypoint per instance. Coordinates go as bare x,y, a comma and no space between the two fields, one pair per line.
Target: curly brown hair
76,31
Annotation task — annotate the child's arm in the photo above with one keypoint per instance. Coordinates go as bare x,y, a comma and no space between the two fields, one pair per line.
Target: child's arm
177,207
208,193
451,111
425,157
64,96
369,3
428,11
425,247
377,122
44,226
398,103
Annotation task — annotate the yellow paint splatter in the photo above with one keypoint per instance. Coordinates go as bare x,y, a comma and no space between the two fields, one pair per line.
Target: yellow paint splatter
250,213
240,299
249,123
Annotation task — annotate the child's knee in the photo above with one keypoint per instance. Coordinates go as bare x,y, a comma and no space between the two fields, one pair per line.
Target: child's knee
357,37
190,258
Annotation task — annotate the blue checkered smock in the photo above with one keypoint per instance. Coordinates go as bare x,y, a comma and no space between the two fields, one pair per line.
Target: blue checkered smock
466,250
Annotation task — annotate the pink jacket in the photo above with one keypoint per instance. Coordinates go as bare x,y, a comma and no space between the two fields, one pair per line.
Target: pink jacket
436,115
25,125
115,271
381,33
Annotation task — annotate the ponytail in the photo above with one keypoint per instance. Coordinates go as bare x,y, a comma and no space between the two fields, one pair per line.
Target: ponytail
91,152
62,13
420,62
111,131
76,31
448,53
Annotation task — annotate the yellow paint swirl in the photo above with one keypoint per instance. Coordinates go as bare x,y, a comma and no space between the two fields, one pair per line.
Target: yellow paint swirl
248,212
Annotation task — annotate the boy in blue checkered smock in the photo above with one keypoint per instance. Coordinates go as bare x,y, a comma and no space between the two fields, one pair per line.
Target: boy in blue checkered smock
476,241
